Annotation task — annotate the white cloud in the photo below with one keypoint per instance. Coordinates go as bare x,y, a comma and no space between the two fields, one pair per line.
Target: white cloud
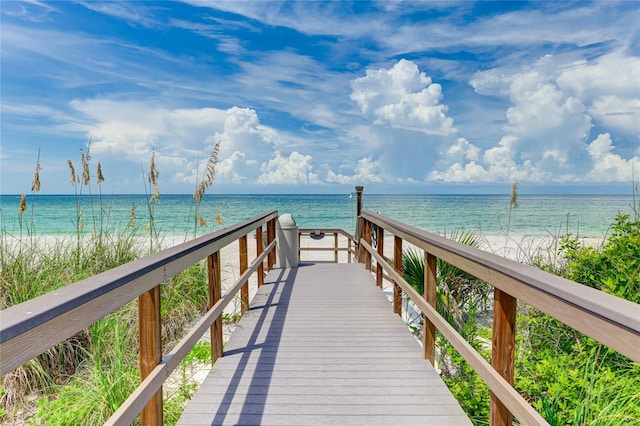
366,170
612,74
543,141
292,170
463,150
617,113
610,167
183,138
404,98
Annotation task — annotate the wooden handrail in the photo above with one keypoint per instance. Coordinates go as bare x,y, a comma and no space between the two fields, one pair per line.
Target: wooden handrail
516,403
32,327
610,320
127,412
613,321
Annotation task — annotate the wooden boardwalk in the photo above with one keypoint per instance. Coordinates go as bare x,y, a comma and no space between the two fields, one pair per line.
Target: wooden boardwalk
321,345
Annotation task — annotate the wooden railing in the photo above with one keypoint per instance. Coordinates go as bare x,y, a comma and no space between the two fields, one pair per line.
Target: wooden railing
321,233
31,328
610,320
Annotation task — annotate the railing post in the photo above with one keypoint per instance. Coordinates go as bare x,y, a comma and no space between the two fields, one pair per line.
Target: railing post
379,270
503,350
150,350
271,235
430,294
367,237
244,265
359,223
397,264
299,244
259,250
335,246
215,293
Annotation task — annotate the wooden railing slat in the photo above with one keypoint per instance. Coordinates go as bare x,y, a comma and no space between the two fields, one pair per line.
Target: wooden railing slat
244,293
503,350
397,265
430,295
259,250
215,294
380,241
150,350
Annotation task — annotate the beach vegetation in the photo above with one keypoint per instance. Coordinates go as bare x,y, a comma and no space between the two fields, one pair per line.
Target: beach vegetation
84,379
568,377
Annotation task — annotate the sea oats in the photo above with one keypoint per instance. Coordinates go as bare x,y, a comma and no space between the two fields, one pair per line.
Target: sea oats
100,177
74,178
23,204
84,159
219,220
514,194
153,177
35,185
209,173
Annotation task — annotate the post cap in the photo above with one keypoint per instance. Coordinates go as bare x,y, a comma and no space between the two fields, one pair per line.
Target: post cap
286,221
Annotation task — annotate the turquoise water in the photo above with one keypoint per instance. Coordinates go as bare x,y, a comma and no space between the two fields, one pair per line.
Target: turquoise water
585,215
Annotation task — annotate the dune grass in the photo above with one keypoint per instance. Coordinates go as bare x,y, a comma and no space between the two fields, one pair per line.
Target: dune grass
84,379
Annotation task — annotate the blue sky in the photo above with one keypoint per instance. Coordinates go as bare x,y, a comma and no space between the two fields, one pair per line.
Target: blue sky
310,96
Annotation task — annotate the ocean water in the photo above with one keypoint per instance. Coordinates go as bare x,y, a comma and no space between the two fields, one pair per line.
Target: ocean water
536,215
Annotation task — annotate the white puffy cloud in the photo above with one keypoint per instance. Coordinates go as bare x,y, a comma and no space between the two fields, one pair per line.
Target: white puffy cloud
622,114
183,139
611,74
134,129
365,170
607,166
294,169
463,150
544,137
403,97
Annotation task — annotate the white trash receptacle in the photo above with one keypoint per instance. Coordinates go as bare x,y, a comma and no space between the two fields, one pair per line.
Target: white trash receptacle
287,240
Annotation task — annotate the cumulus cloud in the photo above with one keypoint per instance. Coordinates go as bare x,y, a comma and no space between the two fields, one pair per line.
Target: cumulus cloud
544,135
183,138
610,88
365,170
294,169
555,105
403,97
607,166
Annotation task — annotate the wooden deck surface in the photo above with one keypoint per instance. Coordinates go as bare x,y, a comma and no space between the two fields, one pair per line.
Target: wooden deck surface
321,345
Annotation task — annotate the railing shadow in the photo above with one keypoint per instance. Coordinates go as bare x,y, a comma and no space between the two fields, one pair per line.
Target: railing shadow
276,306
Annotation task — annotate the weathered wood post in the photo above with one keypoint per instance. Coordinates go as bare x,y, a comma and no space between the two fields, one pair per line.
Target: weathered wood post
379,270
430,294
244,265
259,250
335,246
367,238
503,350
397,264
150,350
215,293
271,235
359,224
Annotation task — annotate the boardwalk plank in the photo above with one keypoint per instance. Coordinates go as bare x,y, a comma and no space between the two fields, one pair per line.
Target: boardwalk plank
321,345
